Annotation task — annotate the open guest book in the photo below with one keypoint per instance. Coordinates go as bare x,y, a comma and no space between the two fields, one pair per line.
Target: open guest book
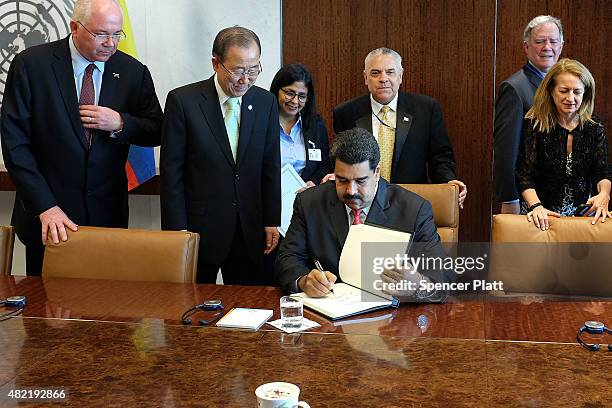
357,293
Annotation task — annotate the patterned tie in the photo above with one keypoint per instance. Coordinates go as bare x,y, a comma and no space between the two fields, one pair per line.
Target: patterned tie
88,96
386,141
356,216
232,117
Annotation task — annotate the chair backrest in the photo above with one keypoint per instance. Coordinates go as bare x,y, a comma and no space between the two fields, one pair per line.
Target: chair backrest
7,242
572,257
124,254
444,200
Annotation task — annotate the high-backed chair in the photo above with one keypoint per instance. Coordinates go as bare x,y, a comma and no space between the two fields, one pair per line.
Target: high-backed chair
7,242
571,257
124,254
444,200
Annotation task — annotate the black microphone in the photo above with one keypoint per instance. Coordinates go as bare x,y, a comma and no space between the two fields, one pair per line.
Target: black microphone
207,305
593,327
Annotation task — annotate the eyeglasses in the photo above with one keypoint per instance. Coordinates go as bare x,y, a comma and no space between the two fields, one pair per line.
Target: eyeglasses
238,73
103,37
289,95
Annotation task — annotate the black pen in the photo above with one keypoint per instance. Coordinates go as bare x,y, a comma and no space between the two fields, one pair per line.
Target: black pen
319,267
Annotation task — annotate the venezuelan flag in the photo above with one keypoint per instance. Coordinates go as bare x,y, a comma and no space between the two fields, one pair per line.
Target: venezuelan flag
140,165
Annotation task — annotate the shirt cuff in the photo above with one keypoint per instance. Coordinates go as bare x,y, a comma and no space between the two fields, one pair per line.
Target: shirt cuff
294,287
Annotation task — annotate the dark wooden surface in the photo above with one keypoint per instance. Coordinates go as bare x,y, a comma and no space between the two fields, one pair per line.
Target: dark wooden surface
146,364
117,344
484,317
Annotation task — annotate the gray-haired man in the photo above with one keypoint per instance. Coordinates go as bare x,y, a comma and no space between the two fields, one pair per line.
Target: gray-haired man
542,42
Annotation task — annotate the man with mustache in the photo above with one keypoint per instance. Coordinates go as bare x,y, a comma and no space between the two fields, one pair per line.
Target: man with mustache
542,42
323,214
409,127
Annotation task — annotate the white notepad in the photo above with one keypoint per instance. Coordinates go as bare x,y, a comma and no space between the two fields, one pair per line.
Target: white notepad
243,318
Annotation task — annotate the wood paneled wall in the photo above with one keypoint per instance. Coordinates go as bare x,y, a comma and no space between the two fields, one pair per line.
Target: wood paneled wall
450,52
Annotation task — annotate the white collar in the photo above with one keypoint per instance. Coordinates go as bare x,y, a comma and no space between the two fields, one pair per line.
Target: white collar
223,97
79,62
376,106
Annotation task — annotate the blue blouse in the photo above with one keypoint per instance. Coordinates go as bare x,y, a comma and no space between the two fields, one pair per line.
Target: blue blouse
292,147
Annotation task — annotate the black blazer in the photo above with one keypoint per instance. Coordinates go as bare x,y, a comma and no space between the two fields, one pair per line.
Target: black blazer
422,146
43,140
202,188
319,227
317,134
514,100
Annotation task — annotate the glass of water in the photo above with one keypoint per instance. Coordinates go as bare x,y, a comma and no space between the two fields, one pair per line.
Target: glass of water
292,312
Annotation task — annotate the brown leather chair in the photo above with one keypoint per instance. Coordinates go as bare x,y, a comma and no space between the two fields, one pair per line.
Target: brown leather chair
444,200
124,254
572,257
7,243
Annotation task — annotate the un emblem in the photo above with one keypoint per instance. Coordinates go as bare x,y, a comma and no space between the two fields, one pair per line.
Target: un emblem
25,23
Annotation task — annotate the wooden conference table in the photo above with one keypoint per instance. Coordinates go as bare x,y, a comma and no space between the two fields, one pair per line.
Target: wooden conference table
115,343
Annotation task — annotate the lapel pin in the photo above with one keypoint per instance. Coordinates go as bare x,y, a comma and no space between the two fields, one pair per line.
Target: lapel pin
406,119
250,107
115,75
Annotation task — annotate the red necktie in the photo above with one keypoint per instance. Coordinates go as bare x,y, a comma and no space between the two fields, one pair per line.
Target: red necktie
356,216
88,96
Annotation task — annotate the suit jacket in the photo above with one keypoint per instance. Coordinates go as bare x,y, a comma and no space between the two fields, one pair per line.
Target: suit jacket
43,139
315,170
202,188
319,227
421,140
514,100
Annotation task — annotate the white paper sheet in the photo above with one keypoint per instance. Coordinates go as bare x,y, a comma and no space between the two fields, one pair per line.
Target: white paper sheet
291,182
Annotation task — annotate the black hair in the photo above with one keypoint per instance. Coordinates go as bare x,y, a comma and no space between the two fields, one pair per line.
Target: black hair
233,36
289,74
355,146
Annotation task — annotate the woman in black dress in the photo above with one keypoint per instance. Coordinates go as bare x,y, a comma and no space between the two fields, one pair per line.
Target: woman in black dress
563,157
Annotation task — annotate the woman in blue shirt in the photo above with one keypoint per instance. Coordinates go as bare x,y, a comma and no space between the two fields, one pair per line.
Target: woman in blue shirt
303,136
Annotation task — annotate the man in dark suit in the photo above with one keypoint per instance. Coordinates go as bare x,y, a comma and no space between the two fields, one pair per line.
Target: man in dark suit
220,163
323,214
71,109
409,127
542,42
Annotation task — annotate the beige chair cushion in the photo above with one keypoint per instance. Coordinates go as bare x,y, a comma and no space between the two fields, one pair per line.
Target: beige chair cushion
444,201
122,254
571,257
7,242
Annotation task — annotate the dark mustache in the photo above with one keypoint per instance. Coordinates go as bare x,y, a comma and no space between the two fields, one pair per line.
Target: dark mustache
352,197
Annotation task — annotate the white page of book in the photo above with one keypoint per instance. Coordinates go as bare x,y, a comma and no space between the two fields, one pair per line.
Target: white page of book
391,243
346,300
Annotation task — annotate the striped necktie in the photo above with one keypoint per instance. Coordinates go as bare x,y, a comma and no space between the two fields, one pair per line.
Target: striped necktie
232,123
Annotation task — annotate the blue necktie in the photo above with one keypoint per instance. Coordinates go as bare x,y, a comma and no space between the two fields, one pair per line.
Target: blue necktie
232,123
